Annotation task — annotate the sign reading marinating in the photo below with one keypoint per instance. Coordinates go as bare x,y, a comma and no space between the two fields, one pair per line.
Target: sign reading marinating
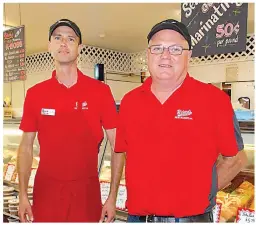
216,28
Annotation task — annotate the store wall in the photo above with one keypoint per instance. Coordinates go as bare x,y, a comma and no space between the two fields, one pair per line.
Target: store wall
214,73
120,84
243,89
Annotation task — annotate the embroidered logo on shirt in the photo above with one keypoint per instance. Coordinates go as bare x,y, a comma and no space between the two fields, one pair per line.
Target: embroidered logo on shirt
184,114
84,105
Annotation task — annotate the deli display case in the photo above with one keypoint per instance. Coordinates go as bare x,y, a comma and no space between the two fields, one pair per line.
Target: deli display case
236,198
11,140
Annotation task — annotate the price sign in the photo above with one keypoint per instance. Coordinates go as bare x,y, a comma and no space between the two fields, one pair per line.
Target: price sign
245,216
32,177
216,212
9,172
121,195
104,188
216,28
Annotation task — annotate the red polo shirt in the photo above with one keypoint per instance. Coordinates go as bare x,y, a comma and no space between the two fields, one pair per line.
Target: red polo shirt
69,124
171,148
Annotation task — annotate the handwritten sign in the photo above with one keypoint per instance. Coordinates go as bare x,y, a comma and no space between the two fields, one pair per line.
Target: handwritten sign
216,28
9,172
121,195
245,216
14,54
216,212
32,177
104,189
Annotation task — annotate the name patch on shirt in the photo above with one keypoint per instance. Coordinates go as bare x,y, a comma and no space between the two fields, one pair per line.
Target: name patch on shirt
48,112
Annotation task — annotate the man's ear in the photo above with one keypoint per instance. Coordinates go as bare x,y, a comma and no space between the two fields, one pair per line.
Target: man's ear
49,46
189,55
80,48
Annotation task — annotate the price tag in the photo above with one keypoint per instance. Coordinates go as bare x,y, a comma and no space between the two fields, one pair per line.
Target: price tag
121,197
216,213
32,177
9,172
245,216
104,189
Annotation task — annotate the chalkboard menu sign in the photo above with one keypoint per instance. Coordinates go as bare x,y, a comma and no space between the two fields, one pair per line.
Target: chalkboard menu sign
14,54
216,28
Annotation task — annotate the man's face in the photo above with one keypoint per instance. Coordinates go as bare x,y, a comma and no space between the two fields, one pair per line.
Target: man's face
64,45
166,66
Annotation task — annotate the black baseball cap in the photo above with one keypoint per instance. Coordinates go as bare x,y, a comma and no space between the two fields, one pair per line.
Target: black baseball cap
68,23
171,25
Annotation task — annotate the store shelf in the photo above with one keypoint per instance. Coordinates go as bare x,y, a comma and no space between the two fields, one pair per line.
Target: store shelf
121,215
10,184
246,126
10,215
12,121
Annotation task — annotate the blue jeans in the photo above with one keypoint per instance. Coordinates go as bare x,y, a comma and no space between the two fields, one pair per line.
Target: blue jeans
133,219
208,217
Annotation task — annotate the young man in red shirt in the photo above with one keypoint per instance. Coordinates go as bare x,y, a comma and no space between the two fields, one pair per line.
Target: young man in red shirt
173,129
67,112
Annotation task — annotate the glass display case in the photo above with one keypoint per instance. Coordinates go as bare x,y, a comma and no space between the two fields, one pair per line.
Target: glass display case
240,194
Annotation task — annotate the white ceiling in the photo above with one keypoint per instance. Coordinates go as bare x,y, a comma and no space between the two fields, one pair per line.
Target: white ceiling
125,25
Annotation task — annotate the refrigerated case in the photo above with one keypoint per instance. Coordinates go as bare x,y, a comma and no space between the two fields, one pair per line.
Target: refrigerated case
228,196
11,140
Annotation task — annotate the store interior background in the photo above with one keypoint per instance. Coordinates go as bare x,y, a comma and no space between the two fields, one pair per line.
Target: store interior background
115,34
120,27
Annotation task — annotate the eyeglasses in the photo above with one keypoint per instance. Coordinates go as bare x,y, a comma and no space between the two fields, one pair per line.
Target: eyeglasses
173,50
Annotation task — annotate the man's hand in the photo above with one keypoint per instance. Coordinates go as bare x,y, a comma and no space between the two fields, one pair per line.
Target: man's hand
25,210
109,210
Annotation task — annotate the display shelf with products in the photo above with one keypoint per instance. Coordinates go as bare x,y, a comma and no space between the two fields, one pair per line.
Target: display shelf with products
243,181
239,195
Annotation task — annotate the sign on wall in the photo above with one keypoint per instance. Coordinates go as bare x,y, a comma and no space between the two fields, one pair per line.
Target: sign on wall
216,28
14,54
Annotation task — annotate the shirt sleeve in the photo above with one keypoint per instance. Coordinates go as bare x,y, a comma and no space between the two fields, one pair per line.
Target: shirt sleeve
29,119
108,110
121,143
239,139
226,132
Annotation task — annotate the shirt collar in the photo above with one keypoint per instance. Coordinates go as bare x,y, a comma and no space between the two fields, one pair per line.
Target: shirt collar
55,80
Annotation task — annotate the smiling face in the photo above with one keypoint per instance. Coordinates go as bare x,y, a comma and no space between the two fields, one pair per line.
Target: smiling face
166,66
64,45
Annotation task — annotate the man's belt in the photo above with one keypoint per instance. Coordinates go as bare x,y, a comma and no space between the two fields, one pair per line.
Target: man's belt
206,217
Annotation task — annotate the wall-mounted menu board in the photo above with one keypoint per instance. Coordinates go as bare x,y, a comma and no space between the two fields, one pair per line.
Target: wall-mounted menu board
14,54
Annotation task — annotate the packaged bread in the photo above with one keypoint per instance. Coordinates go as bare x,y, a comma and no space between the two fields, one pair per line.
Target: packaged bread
222,197
240,197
